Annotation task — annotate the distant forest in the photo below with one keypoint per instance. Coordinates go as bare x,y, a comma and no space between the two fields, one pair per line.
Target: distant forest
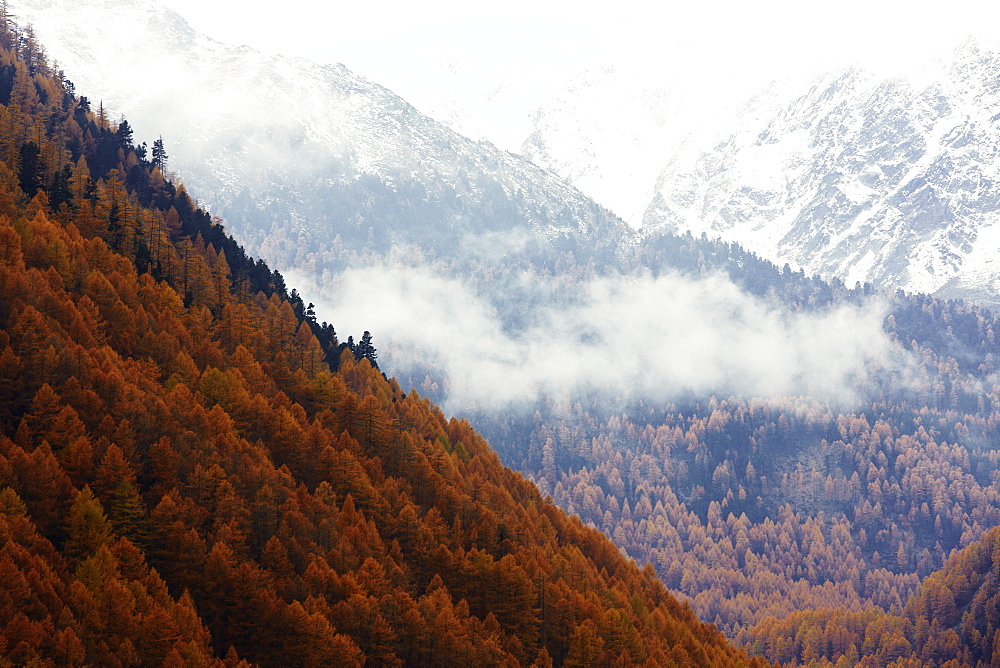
769,515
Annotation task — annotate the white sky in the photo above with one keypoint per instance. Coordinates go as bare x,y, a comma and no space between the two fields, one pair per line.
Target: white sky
776,34
456,49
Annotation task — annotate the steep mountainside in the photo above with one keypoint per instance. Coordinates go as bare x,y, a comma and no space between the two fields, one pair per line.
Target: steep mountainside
296,154
186,479
768,441
607,133
893,182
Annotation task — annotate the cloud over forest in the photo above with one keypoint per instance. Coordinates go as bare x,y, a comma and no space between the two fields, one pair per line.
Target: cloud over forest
637,337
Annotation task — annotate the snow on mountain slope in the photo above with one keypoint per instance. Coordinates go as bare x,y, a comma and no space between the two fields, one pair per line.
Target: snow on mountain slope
606,134
592,118
271,142
603,125
891,181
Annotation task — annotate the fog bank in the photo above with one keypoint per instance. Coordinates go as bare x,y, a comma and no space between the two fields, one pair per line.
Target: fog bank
633,337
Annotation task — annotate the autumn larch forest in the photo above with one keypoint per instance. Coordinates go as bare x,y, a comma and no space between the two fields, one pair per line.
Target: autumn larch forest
195,471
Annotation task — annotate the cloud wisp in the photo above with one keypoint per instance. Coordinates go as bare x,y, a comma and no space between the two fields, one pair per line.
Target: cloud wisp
635,337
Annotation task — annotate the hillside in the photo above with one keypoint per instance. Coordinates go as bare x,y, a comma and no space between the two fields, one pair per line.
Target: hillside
308,161
771,442
186,478
754,505
950,621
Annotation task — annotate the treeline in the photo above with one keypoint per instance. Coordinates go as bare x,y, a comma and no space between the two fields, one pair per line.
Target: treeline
185,478
185,448
87,170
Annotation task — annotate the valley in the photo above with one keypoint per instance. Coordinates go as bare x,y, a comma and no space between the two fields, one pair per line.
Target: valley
769,414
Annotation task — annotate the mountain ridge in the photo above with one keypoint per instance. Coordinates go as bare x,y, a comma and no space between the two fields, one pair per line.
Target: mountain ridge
327,136
886,181
749,505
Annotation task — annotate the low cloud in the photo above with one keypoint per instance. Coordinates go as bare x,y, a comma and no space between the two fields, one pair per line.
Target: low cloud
634,337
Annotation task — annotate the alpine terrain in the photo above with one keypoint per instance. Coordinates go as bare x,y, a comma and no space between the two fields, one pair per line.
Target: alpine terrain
793,456
288,149
194,472
895,182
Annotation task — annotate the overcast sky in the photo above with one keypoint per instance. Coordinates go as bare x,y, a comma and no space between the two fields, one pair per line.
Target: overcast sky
774,35
463,52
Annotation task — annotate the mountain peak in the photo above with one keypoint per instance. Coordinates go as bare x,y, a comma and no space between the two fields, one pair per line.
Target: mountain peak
891,181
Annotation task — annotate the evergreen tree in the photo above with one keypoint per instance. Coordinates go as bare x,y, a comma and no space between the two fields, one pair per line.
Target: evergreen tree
365,350
124,135
88,527
31,174
159,154
128,515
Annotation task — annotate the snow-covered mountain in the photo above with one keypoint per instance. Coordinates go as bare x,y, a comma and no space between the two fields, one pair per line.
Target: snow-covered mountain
856,174
603,123
890,181
606,133
287,149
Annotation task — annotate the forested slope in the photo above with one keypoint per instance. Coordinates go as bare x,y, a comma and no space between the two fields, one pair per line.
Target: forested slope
193,471
954,619
761,507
